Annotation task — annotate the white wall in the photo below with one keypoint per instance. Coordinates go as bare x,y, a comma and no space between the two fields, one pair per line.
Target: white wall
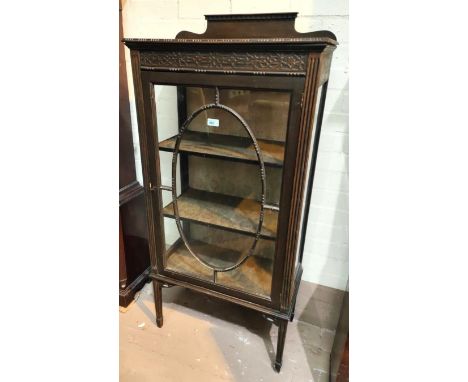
326,248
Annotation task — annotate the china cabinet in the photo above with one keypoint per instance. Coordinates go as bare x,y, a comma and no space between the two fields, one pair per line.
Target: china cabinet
229,124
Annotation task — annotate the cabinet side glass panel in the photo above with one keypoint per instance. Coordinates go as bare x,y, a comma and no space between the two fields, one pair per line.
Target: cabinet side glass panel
307,179
228,147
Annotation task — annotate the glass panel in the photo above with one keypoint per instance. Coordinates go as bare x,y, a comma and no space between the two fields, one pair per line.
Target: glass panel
266,112
229,155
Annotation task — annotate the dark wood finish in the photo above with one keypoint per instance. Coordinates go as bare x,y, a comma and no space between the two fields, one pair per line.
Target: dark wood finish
259,53
308,191
135,244
122,265
157,290
267,29
282,328
218,291
267,26
134,265
297,177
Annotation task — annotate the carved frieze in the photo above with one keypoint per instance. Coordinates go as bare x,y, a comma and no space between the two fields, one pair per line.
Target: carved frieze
226,62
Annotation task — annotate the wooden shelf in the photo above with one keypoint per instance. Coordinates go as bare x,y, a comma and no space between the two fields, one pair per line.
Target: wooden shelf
253,276
226,147
225,212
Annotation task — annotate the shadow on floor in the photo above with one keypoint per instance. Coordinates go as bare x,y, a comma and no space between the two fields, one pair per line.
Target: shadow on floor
203,305
248,341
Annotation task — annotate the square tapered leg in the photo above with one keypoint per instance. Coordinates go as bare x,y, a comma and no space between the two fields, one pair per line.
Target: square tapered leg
157,288
282,328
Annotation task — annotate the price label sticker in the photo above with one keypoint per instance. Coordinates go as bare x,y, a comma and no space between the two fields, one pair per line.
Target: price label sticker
213,122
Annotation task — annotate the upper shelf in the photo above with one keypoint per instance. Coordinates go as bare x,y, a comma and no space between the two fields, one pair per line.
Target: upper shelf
227,147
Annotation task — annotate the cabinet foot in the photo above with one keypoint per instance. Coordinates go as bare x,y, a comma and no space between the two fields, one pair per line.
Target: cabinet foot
278,366
159,322
157,289
282,328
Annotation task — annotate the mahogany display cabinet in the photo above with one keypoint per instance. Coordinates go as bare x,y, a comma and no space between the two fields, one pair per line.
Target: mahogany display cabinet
229,124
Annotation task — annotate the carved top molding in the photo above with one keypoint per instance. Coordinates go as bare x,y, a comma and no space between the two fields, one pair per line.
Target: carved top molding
299,40
262,29
253,16
263,62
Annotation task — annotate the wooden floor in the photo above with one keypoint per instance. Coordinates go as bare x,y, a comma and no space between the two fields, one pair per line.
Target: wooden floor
208,340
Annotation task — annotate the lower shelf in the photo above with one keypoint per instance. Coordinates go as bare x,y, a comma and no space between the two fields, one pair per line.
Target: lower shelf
253,276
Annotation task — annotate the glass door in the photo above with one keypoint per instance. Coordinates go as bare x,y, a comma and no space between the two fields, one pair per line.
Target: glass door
221,160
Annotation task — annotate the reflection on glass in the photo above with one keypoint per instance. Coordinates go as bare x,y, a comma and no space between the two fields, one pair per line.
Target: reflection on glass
219,183
266,112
